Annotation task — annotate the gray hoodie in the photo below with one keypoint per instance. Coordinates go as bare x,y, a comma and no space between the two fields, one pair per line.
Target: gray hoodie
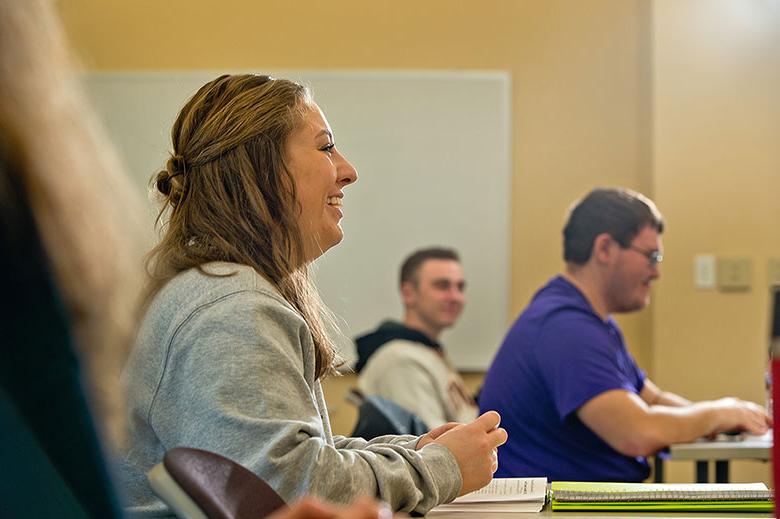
227,365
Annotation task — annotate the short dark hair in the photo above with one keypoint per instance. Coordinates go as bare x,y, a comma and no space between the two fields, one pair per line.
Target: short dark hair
619,212
413,262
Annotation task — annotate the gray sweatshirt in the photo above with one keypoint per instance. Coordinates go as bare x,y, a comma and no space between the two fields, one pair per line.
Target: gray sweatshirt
227,365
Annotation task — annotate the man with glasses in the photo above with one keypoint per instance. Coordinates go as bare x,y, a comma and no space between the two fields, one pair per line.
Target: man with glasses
574,402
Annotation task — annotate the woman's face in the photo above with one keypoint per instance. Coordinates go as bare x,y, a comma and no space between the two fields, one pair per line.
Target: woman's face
320,173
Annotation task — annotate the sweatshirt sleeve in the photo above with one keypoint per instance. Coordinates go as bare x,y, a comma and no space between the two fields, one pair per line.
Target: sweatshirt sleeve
406,441
239,381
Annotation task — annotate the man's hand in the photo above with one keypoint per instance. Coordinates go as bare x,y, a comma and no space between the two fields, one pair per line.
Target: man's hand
738,415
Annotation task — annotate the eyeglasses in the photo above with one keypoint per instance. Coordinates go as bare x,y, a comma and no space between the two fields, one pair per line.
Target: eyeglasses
653,256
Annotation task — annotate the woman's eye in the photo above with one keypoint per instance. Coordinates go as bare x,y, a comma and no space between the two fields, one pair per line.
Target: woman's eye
328,148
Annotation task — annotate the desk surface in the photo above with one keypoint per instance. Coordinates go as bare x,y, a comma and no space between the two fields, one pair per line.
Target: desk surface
593,515
742,447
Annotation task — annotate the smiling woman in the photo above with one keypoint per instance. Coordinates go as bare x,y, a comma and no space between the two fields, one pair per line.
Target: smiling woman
320,173
228,195
231,351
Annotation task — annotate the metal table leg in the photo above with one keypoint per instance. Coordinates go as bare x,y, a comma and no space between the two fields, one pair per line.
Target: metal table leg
721,471
658,469
702,471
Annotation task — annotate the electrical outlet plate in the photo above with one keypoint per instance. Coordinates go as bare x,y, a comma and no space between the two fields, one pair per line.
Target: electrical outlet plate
734,274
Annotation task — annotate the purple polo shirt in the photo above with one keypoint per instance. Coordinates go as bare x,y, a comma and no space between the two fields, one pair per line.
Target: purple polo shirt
558,355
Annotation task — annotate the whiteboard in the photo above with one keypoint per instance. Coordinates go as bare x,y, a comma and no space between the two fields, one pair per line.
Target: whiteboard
432,150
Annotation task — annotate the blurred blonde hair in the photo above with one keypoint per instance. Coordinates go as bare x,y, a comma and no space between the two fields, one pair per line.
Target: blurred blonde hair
84,208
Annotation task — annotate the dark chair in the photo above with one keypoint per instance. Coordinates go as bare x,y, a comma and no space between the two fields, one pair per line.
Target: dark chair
198,484
378,416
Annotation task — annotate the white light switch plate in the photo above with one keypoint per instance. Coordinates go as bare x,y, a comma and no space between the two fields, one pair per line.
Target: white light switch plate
704,271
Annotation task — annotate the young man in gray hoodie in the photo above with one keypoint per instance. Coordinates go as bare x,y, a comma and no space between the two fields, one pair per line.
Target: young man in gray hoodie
404,362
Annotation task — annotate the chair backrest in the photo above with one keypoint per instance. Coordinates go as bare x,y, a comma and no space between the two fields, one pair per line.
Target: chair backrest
198,484
378,416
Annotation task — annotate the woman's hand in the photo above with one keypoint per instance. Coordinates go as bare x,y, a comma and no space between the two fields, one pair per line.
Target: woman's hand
474,447
434,433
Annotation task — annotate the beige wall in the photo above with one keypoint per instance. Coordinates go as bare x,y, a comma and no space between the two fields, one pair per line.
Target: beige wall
579,72
717,179
676,98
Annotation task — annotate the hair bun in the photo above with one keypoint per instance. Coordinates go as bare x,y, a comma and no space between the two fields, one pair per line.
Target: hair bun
163,182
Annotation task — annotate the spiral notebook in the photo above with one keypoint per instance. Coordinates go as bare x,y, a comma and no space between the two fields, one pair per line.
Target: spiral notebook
725,497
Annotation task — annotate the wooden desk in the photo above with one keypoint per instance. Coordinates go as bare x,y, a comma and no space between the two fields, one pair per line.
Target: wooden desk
721,451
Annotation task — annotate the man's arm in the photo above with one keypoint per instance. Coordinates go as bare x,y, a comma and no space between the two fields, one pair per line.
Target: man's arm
653,395
630,426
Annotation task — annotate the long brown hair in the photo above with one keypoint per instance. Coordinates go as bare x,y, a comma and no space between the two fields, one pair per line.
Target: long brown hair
229,196
86,212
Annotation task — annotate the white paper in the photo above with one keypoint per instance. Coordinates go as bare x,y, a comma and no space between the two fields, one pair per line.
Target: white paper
508,489
502,495
514,507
